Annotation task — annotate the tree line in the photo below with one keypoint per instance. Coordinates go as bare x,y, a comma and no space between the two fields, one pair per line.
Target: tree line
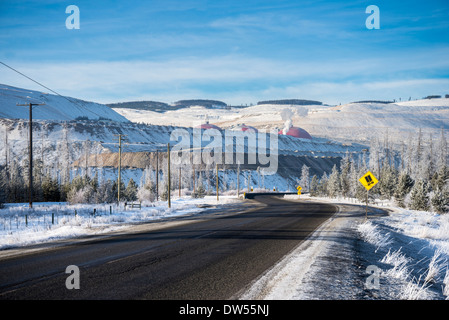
415,177
414,174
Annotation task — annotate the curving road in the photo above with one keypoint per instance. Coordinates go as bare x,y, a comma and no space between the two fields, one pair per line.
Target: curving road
213,256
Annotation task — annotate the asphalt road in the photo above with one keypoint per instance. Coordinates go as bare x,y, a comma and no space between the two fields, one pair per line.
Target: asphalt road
214,256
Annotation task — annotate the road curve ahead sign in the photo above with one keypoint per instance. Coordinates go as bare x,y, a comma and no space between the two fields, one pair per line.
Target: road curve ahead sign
368,180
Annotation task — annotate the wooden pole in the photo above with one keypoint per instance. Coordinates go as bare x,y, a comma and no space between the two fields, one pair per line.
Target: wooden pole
216,172
366,206
157,175
30,151
168,178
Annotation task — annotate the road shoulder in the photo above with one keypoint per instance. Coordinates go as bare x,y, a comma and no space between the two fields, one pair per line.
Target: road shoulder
325,266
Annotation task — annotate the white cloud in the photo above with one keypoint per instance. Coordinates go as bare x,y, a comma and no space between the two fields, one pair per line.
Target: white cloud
239,76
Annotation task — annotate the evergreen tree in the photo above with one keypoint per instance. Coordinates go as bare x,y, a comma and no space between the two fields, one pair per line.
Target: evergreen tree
130,193
50,189
314,184
333,184
387,182
163,192
94,182
440,178
419,199
440,201
353,179
105,193
405,184
3,186
305,176
322,186
442,151
200,191
115,190
345,185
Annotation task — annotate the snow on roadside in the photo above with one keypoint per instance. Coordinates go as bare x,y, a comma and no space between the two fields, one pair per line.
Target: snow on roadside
414,266
399,256
409,248
20,226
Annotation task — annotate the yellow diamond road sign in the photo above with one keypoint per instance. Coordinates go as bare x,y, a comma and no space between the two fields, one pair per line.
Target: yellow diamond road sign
368,180
299,188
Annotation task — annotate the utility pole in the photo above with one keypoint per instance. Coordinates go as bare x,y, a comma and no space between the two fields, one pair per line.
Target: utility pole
194,176
30,151
216,165
238,180
86,161
6,154
179,186
157,175
168,184
119,179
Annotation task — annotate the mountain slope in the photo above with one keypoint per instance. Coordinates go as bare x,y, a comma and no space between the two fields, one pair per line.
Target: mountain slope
356,122
55,108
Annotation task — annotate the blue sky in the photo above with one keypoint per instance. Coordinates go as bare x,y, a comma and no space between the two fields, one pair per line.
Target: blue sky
239,52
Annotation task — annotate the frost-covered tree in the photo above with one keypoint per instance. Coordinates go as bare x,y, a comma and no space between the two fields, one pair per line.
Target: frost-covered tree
305,176
3,186
333,184
105,193
314,185
387,182
130,193
200,190
419,199
440,178
353,179
442,151
83,195
345,184
322,186
403,187
440,200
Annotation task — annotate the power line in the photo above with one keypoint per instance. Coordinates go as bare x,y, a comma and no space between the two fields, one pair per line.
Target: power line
37,82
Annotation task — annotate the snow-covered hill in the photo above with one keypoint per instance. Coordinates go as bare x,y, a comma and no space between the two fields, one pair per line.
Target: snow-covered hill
55,108
357,122
66,131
